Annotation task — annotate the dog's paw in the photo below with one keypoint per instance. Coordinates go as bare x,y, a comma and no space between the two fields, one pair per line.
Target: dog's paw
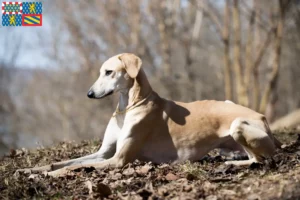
57,173
25,171
228,163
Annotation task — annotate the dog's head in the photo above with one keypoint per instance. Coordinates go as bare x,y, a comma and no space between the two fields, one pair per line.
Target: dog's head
116,75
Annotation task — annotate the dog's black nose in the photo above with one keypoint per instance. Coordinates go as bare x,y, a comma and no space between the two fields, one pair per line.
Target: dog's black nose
91,94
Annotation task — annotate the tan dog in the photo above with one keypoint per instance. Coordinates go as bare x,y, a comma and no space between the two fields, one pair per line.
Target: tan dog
150,128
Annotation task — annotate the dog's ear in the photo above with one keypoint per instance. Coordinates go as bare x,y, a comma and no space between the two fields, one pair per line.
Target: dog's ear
132,64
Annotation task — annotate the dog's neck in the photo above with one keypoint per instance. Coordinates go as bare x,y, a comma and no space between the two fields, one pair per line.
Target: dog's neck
139,91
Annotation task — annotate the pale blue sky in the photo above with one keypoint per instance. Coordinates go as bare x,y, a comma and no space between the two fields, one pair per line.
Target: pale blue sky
34,43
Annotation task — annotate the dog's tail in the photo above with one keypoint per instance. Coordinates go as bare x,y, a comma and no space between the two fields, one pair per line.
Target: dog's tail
277,143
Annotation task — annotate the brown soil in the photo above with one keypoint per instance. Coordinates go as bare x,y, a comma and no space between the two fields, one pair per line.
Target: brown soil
278,178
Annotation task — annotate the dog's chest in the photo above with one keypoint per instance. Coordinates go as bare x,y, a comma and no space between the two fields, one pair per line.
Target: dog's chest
120,120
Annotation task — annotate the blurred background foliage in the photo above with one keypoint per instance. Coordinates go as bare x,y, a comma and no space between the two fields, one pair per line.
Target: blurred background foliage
246,51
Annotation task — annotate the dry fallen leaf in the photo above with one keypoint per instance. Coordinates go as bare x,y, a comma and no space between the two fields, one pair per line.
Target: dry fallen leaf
253,197
144,170
211,197
227,192
89,185
128,172
171,177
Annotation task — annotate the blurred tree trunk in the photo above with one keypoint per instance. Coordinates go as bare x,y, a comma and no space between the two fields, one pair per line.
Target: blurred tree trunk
272,83
223,32
191,49
226,42
165,31
249,47
242,97
261,50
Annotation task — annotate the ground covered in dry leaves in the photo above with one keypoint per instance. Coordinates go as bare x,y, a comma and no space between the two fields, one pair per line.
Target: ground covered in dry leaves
207,179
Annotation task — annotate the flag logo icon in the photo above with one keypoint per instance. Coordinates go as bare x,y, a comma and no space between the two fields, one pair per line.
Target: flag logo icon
22,13
11,8
32,20
12,20
32,8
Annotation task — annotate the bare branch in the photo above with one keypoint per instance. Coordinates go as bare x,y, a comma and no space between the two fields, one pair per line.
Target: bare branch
261,22
212,15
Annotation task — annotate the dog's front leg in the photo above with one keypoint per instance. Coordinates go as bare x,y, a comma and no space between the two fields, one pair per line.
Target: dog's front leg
107,150
128,146
118,160
61,164
112,162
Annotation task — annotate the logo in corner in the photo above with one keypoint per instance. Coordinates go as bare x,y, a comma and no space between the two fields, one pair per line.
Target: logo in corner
22,14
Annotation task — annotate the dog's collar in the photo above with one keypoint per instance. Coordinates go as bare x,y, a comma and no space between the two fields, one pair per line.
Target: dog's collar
117,111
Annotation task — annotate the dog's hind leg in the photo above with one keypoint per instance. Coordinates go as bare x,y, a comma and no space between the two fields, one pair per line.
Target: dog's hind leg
251,134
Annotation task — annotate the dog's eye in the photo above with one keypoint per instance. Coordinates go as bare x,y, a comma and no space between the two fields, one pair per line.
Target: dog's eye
108,72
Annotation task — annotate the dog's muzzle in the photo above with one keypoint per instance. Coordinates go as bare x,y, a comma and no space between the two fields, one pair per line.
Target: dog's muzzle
92,95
